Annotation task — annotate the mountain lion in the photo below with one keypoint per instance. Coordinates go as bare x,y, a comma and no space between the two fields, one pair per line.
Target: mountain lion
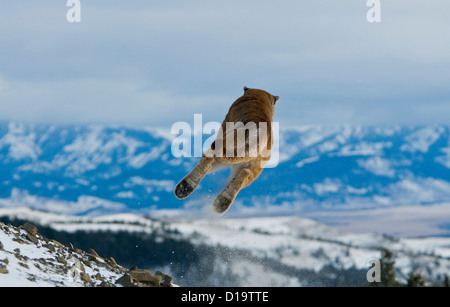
243,142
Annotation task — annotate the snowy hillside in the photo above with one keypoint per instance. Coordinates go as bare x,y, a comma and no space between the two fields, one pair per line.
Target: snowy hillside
27,259
265,251
94,170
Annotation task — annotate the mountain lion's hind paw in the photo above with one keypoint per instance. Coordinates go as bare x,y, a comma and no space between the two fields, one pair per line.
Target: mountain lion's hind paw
221,204
183,189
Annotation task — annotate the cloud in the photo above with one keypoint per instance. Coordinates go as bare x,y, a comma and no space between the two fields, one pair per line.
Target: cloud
99,101
168,60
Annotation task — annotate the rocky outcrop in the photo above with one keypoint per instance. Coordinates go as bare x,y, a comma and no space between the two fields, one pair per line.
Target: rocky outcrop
27,258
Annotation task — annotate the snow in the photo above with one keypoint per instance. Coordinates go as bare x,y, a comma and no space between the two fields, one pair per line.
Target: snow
422,139
306,244
150,184
35,265
141,159
444,159
125,194
364,149
86,152
84,203
21,143
297,243
327,186
89,150
412,190
402,221
307,161
437,246
122,165
297,239
310,136
378,166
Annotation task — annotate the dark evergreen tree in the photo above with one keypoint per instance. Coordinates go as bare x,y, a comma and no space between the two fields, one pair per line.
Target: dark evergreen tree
445,282
415,279
388,274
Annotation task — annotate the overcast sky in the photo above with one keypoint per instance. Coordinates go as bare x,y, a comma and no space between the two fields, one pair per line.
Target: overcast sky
155,62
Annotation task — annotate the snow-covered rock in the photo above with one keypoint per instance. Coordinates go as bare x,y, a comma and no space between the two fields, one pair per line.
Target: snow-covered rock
27,259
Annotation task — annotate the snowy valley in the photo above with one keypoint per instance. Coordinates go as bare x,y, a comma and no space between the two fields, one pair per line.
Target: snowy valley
260,251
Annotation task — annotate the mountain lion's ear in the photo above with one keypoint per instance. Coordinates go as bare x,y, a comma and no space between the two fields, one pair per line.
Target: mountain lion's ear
275,99
245,89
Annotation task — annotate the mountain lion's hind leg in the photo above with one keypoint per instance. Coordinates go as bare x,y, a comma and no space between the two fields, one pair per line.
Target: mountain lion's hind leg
188,184
224,200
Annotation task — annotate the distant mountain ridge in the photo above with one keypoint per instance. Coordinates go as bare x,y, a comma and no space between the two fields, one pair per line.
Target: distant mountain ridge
94,170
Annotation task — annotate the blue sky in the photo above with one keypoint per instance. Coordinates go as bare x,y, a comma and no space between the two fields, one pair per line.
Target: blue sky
157,62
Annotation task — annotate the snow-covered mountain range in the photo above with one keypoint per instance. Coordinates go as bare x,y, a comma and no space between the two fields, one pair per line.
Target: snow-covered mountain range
366,181
94,170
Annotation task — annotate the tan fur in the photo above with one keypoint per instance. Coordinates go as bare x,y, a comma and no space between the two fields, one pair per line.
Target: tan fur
255,110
